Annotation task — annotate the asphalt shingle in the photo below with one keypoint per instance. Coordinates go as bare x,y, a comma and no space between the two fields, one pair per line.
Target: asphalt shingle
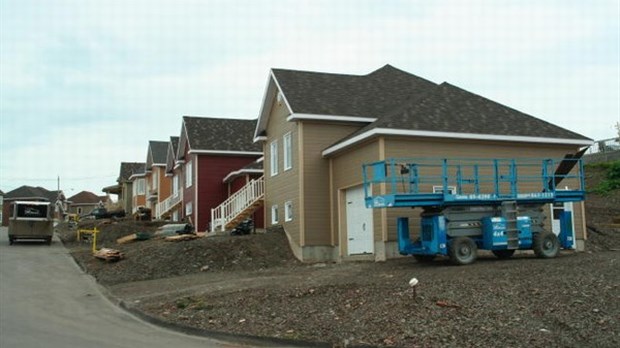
220,134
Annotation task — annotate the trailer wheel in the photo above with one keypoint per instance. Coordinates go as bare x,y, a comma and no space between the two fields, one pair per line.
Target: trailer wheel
503,254
546,245
462,251
48,240
11,241
424,258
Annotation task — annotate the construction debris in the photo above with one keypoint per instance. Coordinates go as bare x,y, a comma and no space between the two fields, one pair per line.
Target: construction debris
110,255
133,237
181,237
173,229
127,239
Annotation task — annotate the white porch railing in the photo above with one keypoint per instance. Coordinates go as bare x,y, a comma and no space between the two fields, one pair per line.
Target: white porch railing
237,203
167,204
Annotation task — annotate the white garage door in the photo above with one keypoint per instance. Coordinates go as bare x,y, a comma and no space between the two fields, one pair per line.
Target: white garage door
359,223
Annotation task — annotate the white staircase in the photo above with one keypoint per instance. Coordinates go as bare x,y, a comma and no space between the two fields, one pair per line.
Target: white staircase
239,206
164,207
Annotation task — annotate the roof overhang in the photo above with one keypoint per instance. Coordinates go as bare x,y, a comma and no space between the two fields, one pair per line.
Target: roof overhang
336,118
236,173
225,153
114,189
432,134
271,90
136,176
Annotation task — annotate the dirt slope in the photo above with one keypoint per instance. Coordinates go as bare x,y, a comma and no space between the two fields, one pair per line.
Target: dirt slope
253,285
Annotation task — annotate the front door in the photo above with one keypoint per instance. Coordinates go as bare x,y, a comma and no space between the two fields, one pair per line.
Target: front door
359,223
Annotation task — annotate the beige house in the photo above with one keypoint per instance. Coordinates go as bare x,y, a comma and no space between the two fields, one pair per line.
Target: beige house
317,129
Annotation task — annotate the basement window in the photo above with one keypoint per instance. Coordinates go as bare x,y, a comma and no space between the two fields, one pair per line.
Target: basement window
288,211
274,214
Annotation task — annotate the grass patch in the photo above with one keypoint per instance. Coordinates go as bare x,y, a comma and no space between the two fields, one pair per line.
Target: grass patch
612,177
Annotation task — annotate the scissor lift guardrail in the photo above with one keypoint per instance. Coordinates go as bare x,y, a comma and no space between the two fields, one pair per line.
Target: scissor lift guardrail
419,182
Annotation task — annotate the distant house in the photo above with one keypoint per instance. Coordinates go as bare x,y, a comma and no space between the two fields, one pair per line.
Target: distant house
125,195
317,129
157,183
27,193
172,208
209,150
138,187
84,202
1,204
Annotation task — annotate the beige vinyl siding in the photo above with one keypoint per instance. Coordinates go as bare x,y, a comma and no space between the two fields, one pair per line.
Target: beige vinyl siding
316,185
347,173
436,148
284,186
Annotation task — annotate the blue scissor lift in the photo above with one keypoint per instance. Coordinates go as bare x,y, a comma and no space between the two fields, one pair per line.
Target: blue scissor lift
469,204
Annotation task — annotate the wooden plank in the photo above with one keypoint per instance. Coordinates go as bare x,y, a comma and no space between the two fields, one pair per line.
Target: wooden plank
181,237
127,239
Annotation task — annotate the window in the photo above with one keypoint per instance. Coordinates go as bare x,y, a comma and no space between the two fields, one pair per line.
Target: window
138,187
188,209
79,210
154,182
274,214
273,157
175,186
288,211
188,175
288,153
439,189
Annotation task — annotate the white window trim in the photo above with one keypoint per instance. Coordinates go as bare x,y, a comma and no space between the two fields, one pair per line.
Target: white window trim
287,148
274,214
189,209
188,174
273,158
288,211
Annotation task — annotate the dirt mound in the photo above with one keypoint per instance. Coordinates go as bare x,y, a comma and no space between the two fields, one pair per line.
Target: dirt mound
157,258
602,212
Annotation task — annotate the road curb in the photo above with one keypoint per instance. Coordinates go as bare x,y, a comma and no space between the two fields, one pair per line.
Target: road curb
257,341
219,335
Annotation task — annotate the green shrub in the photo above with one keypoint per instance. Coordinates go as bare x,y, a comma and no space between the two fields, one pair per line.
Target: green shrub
612,181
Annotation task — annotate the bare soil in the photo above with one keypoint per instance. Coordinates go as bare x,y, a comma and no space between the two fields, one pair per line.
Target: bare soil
252,285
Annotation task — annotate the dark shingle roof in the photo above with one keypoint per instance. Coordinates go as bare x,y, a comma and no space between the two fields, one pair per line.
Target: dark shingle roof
130,168
175,144
159,150
447,108
220,134
349,95
85,197
29,192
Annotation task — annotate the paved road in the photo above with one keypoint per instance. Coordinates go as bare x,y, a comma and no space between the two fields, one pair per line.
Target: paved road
47,301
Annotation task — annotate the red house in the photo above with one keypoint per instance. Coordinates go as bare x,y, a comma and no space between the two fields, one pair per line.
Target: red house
209,151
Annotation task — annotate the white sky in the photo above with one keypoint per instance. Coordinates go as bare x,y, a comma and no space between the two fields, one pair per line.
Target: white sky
84,85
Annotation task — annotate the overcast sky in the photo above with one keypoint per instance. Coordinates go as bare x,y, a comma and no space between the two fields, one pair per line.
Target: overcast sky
84,85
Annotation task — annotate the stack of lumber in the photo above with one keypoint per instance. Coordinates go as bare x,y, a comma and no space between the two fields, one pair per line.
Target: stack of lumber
108,254
181,237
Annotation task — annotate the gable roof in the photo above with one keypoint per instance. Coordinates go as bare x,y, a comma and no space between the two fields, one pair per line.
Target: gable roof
128,169
139,170
156,155
85,197
348,95
361,98
30,192
218,135
171,156
450,111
